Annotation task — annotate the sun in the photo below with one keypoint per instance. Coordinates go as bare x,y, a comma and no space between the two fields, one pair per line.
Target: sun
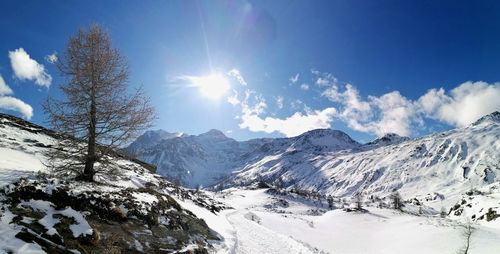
213,86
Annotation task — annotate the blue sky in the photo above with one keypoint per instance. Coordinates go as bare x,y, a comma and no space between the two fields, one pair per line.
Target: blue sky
364,67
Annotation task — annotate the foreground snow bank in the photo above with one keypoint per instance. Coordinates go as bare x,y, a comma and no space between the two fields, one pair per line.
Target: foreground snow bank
91,217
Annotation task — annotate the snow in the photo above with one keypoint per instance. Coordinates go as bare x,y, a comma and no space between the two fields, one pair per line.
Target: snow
251,227
207,158
81,227
331,163
216,222
444,165
8,241
144,197
13,159
254,238
448,163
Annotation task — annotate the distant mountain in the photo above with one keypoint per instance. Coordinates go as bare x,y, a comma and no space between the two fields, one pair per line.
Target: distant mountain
208,158
387,139
152,137
449,163
489,119
329,161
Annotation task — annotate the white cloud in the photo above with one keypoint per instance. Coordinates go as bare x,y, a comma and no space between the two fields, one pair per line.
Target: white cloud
279,101
293,125
304,87
354,106
324,78
4,88
253,104
236,73
393,112
26,68
11,103
294,79
296,104
389,113
397,115
52,58
233,99
464,104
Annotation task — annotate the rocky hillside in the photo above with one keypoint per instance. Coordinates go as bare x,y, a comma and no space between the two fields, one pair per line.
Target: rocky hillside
130,212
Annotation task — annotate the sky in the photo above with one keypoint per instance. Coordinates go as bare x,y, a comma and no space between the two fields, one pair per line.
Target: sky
273,68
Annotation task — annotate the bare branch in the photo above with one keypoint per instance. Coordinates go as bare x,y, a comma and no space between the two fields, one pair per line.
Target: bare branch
98,108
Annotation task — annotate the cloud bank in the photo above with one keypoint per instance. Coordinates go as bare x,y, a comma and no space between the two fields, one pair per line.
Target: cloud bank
14,104
394,113
291,126
11,103
463,104
4,88
391,112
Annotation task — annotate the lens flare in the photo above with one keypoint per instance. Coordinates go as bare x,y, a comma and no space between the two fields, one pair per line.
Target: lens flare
213,86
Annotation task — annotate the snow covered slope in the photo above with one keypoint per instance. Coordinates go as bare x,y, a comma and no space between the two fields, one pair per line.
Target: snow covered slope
330,162
129,211
448,163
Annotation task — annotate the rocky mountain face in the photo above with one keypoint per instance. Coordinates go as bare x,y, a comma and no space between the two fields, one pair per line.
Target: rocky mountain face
330,162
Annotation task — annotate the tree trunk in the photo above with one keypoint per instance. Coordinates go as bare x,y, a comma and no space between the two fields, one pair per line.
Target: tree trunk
89,172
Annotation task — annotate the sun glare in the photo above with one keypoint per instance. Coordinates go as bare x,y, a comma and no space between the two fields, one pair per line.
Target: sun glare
213,86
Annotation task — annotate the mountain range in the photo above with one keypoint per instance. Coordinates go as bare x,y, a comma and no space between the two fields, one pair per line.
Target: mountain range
330,162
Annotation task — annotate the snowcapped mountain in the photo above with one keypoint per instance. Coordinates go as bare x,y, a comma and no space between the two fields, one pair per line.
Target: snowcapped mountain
193,160
488,119
387,139
208,158
152,137
457,170
448,163
330,162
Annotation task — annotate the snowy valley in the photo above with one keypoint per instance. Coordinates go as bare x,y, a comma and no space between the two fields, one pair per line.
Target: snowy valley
320,192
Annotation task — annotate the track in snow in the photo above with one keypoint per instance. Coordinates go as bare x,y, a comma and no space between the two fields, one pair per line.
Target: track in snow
254,238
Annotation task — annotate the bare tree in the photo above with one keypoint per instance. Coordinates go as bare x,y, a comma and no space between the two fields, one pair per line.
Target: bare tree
97,109
330,200
443,213
396,200
467,232
358,199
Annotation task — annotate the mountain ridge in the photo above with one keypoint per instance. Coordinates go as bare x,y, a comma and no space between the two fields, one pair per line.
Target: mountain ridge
331,162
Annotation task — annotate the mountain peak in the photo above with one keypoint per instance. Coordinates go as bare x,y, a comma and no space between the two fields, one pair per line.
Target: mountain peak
213,133
388,139
334,139
151,138
160,135
492,117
